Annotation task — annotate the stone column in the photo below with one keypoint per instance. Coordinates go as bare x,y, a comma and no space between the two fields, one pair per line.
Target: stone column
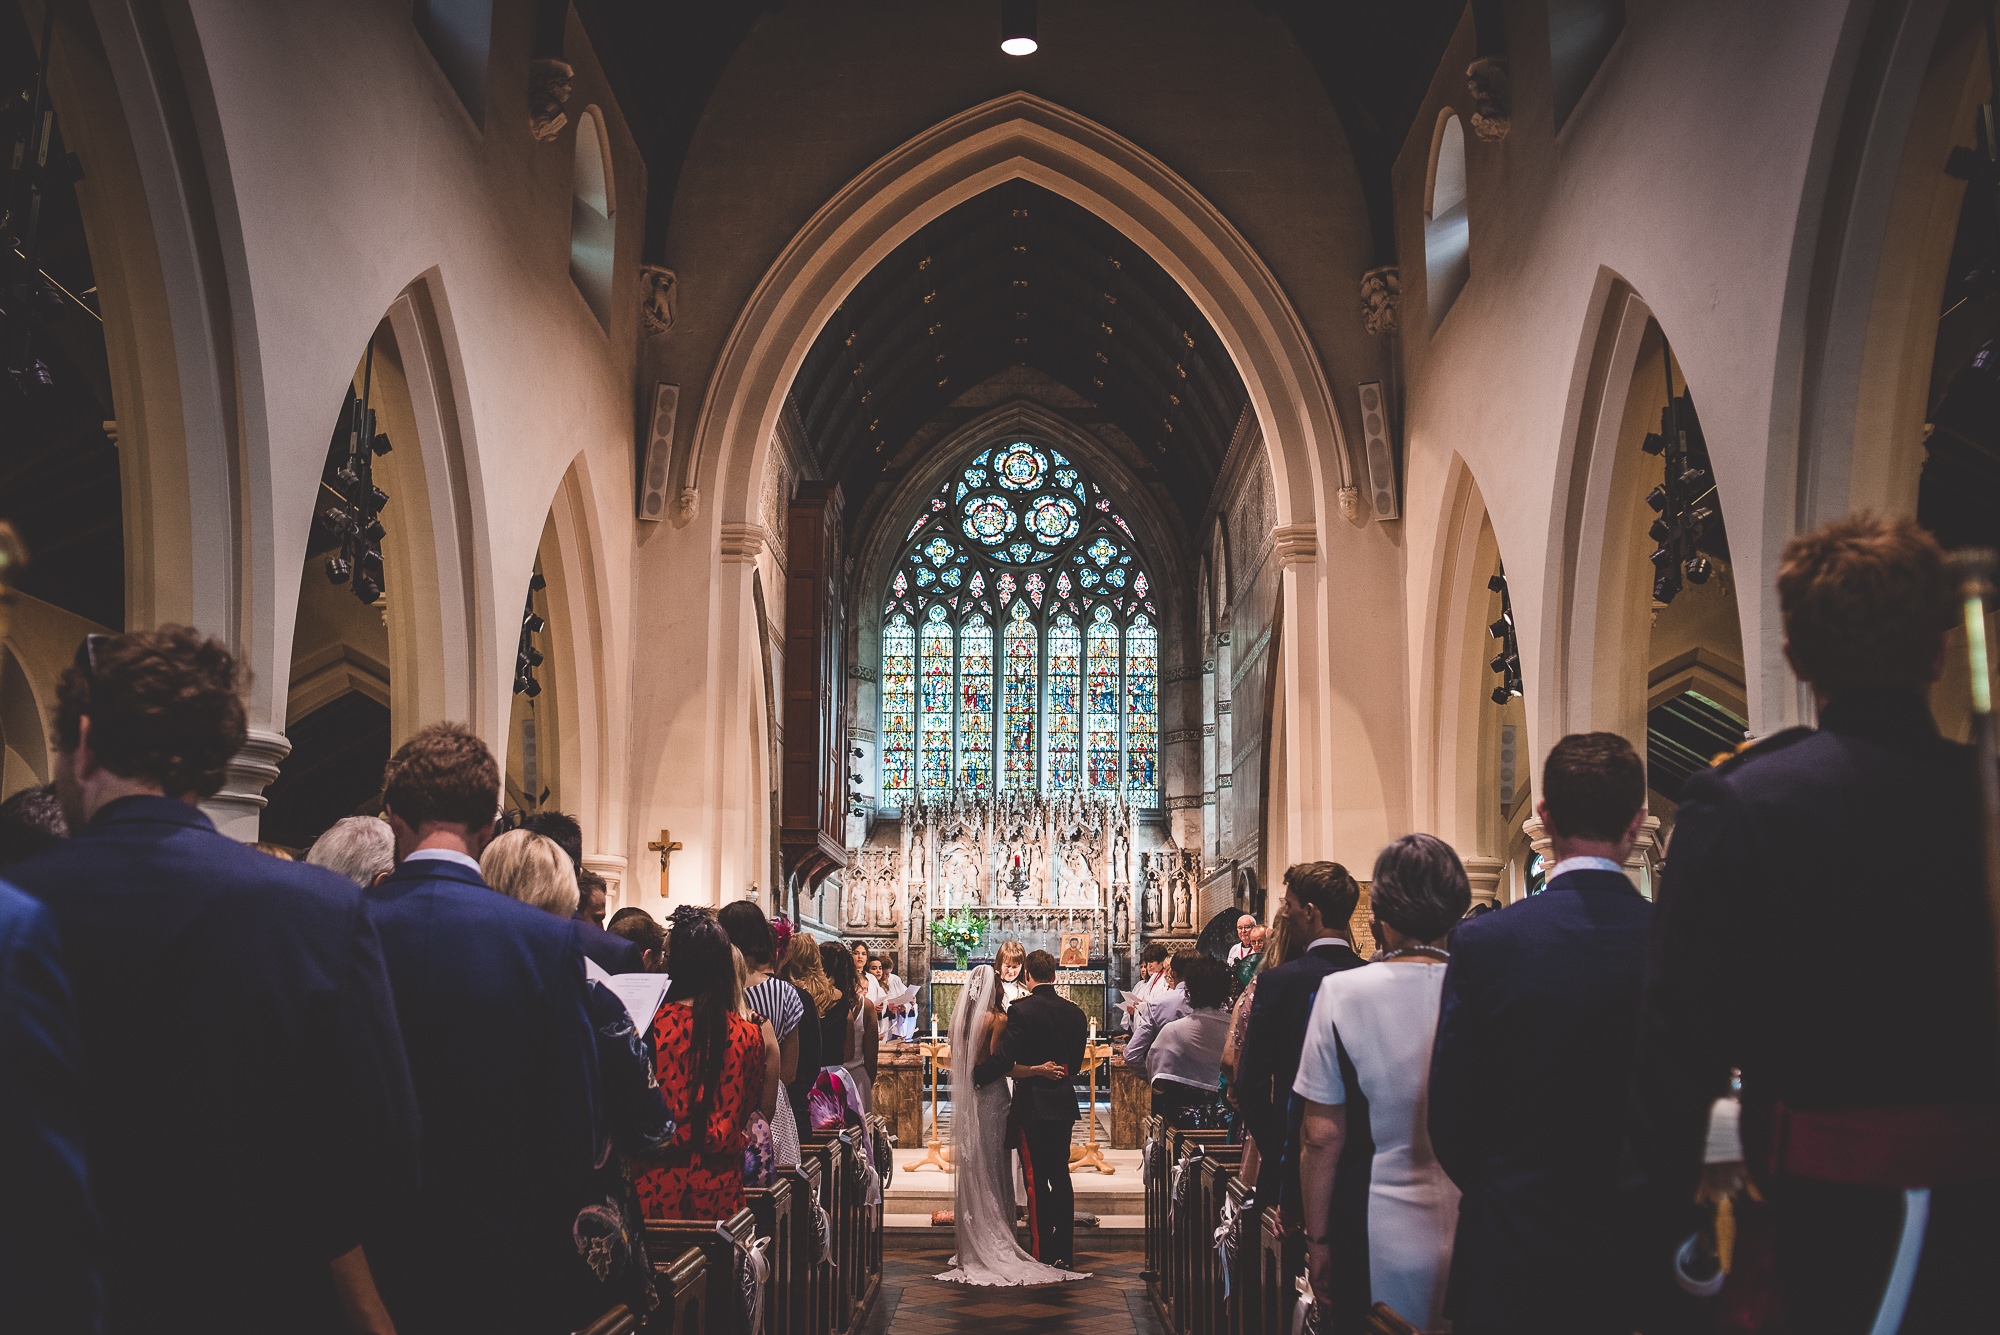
611,866
1484,873
238,806
1639,866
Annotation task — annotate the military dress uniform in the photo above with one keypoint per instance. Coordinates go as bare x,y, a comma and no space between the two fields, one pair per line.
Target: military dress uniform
1823,926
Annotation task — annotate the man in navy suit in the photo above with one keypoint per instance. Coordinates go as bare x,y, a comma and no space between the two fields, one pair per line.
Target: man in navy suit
247,1110
1533,1057
1320,898
1870,1096
491,997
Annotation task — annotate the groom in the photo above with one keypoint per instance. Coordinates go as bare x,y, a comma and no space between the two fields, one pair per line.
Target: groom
1042,1050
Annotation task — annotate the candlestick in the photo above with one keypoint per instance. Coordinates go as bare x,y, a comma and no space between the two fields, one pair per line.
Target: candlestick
1093,1028
933,1026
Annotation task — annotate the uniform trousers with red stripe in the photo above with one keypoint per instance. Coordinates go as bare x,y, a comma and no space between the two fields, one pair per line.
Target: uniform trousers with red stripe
1044,1151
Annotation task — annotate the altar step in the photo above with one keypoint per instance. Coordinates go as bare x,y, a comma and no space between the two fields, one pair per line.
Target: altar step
1117,1199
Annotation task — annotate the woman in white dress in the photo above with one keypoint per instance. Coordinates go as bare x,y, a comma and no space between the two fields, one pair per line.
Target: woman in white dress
1368,1042
983,1186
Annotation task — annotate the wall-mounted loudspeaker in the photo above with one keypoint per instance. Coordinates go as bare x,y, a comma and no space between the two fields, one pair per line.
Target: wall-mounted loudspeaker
659,453
1381,458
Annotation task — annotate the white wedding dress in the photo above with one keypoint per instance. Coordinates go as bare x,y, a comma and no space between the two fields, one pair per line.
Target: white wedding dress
983,1186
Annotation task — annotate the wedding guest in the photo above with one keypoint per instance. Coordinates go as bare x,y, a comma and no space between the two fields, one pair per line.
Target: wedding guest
780,1003
493,1004
848,1033
711,1065
361,848
1861,1093
607,950
1008,962
644,931
632,1112
1365,1070
760,1147
278,851
31,821
1247,964
1184,1062
1246,934
1533,1061
1152,962
51,1264
899,1021
1167,1004
1319,903
802,969
1281,947
241,1000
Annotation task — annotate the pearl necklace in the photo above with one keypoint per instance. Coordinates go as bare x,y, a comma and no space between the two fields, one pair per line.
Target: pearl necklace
1438,951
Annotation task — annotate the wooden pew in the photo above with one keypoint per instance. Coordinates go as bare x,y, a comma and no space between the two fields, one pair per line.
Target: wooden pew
1172,1259
1277,1295
1246,1297
1153,1175
863,1236
683,1287
618,1321
667,1239
772,1208
1211,1165
824,1153
807,1289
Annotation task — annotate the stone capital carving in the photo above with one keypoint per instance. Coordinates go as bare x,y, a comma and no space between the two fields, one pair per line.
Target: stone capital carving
744,542
548,91
859,672
1350,503
1294,544
1484,874
1381,298
659,298
1539,839
689,503
1492,100
611,866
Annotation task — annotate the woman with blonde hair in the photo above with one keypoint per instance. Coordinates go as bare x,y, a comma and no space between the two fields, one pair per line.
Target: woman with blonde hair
801,968
533,869
1281,946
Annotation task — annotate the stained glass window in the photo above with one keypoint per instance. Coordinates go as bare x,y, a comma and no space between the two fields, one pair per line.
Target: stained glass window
1100,705
934,738
1014,652
1020,702
1065,721
899,709
1142,713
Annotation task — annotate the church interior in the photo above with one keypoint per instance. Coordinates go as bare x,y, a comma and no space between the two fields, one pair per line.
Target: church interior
1006,471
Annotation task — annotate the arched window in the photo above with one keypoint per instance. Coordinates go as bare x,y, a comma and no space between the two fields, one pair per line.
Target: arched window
592,235
1447,262
1020,641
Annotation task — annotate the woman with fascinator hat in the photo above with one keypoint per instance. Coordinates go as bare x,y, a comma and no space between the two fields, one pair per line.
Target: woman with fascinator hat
983,1191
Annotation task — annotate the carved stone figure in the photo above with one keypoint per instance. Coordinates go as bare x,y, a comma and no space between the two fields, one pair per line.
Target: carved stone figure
548,91
1182,916
856,897
884,893
1079,884
1121,914
959,870
1149,892
1490,85
1381,298
659,298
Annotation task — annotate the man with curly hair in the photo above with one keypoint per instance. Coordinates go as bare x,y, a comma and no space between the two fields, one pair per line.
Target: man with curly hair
248,1112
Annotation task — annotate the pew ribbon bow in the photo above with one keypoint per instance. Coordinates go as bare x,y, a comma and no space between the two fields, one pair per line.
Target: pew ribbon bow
753,1269
1228,1235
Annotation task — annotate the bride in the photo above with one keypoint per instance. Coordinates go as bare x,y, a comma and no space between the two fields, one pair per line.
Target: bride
983,1204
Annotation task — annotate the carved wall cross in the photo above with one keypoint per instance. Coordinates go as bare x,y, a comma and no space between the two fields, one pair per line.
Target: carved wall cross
666,847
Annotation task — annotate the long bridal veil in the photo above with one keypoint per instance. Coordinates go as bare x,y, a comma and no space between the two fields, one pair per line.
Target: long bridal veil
983,1184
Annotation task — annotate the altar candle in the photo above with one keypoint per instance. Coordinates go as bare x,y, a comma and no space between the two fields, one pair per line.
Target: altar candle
933,1026
1093,1028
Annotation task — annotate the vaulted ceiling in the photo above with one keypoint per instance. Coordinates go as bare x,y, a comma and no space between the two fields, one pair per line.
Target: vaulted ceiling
1019,276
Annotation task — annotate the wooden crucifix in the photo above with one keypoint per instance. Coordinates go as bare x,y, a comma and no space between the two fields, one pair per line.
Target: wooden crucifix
666,848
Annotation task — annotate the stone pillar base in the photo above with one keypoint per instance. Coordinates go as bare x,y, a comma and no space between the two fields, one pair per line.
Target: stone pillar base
239,806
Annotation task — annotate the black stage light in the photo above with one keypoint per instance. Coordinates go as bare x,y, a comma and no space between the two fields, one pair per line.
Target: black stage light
534,624
533,655
337,569
534,688
1660,531
1693,479
375,532
380,497
1657,498
1497,584
1699,569
536,583
1498,630
1017,27
1665,586
380,444
1662,559
1653,443
1501,695
1499,663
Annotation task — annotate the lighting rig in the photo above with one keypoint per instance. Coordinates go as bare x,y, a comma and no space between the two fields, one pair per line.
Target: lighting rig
354,514
527,658
28,295
1507,661
1680,501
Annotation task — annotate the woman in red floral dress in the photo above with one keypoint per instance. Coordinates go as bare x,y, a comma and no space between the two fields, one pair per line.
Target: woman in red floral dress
711,1068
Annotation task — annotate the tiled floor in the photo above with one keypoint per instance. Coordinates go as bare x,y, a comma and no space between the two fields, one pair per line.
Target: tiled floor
1111,1302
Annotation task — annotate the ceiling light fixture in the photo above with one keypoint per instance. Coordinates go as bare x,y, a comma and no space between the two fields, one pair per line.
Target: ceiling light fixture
1017,27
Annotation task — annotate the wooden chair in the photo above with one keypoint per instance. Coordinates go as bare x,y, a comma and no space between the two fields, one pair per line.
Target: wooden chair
683,1287
772,1208
1246,1295
670,1237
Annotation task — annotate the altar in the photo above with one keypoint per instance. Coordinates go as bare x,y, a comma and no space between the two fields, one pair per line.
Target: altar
1088,988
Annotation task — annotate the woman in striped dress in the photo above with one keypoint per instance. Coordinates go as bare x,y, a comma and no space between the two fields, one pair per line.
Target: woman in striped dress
778,1002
